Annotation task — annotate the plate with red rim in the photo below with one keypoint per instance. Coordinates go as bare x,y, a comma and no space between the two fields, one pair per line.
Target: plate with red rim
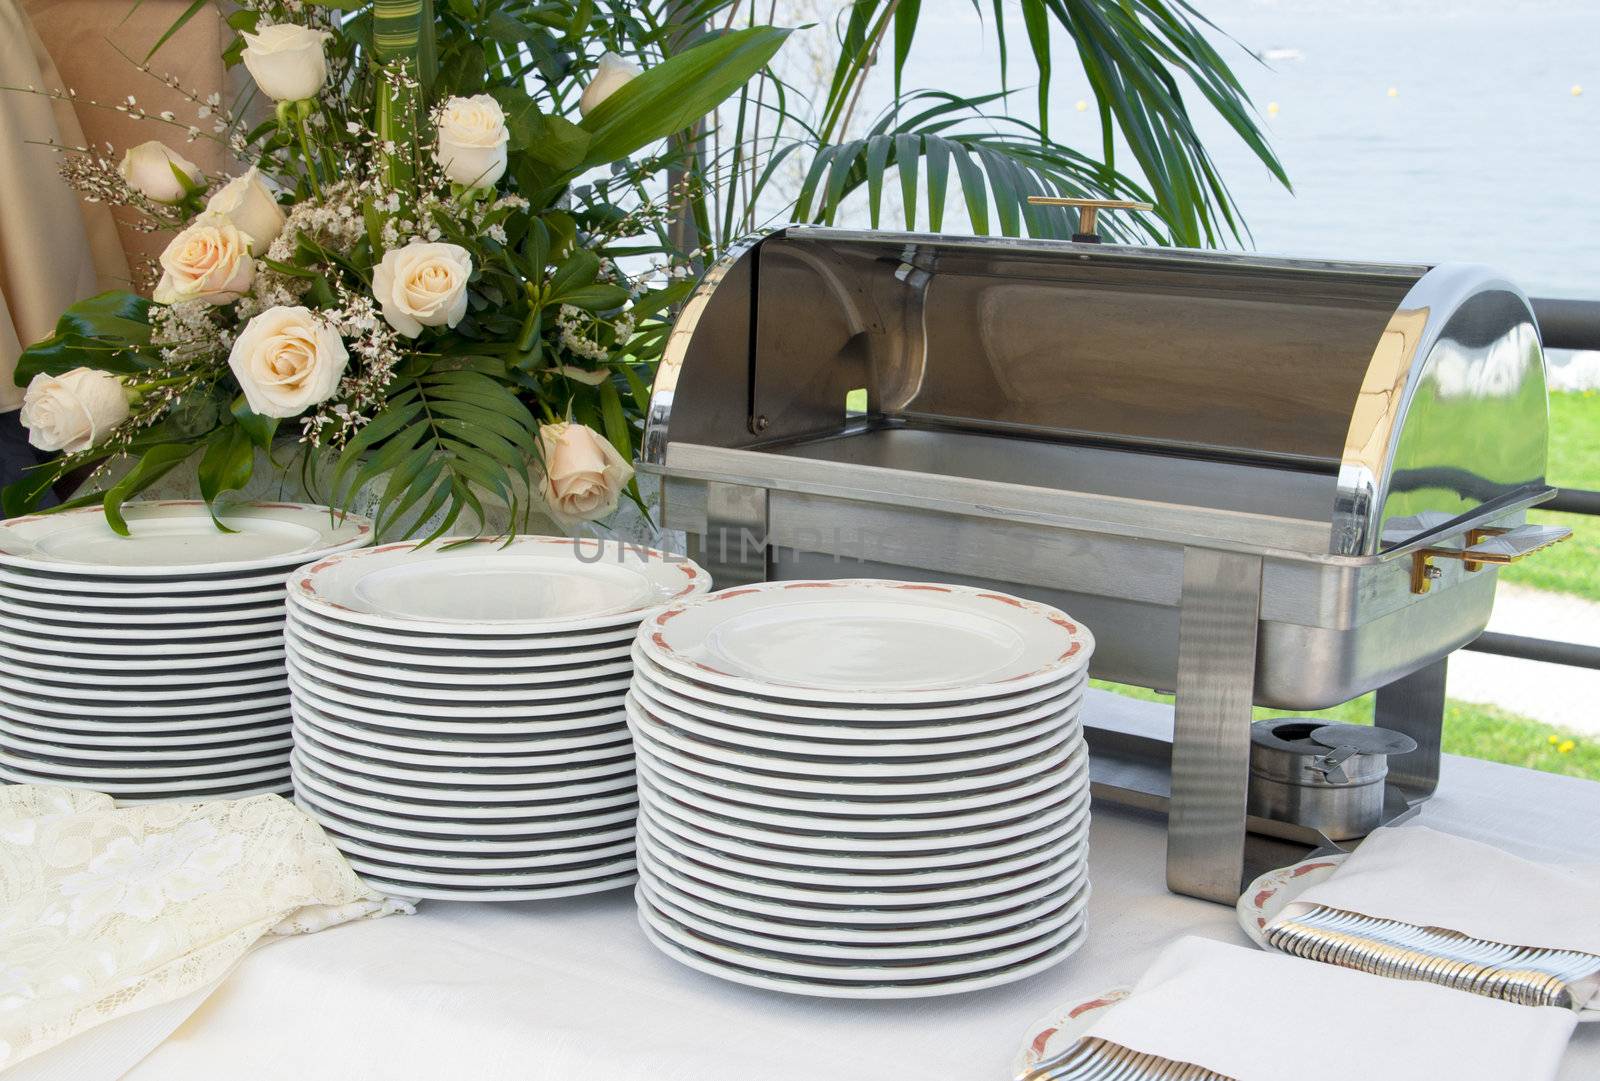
467,805
178,538
151,661
271,682
63,679
441,741
1059,1030
1269,894
436,773
397,836
198,589
337,737
540,833
142,618
798,718
527,585
867,641
273,779
91,639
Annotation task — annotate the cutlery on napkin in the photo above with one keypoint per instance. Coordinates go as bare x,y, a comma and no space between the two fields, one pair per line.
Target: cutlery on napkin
1206,1008
1414,903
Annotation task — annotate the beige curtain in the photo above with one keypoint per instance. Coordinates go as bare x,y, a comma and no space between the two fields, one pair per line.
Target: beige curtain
53,248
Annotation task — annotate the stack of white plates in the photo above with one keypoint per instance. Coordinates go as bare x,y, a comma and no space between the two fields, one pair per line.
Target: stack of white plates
458,713
862,789
151,666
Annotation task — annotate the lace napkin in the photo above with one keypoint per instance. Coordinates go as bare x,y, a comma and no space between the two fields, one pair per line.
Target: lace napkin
1513,927
105,911
1254,1016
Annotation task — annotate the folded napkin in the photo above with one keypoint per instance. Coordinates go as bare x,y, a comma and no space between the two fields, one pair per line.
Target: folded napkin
106,911
1255,1016
1427,879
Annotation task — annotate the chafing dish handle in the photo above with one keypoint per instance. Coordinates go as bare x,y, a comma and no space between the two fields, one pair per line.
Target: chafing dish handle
1088,211
1496,547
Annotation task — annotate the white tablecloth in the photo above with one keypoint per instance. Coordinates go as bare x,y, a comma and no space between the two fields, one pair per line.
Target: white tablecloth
570,989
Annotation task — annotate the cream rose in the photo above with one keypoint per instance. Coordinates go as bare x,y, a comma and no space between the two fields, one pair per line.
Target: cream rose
149,170
423,285
612,74
287,61
583,473
249,204
287,360
472,141
208,261
73,411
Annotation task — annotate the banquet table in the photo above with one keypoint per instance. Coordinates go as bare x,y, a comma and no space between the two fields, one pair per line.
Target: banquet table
571,989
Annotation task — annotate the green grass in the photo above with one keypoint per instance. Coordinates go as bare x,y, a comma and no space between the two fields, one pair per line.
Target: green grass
1572,566
1472,730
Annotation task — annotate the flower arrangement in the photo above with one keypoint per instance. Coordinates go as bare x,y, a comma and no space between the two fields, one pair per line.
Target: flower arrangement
442,265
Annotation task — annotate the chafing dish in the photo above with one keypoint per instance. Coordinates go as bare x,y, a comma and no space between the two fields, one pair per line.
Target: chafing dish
1259,480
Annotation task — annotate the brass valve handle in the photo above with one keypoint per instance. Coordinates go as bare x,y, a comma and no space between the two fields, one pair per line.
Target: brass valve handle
1088,211
1496,547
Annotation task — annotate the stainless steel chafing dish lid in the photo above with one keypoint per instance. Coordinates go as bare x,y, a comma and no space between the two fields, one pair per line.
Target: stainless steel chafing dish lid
1400,399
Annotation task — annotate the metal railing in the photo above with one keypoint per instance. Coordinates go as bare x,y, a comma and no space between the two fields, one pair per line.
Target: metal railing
1563,324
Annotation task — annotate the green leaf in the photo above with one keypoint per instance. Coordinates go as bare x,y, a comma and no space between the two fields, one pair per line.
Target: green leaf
576,271
616,422
259,429
675,94
937,153
905,31
599,297
907,155
154,464
226,465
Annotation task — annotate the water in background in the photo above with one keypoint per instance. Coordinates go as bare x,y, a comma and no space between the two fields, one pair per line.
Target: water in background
1481,154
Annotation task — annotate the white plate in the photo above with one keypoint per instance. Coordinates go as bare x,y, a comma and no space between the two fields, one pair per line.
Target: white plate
895,777
204,589
899,796
1046,790
543,864
462,646
157,664
545,835
907,934
859,894
115,736
518,668
1055,1032
605,693
527,791
580,742
485,776
166,653
856,758
529,585
864,990
432,724
842,839
867,641
977,714
553,876
213,637
1269,894
143,771
1069,913
445,893
321,782
112,619
553,845
10,741
269,779
88,673
19,703
178,537
980,958
681,840
535,685
326,734
1056,888
47,597
203,690
125,726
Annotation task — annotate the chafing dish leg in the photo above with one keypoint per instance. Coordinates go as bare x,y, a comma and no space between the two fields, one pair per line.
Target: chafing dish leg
734,546
1414,705
1217,624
